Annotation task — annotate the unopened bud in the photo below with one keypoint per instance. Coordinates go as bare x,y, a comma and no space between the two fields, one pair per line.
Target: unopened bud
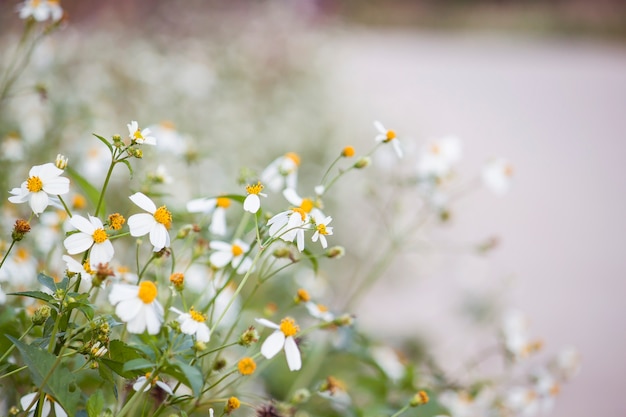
335,252
20,229
282,253
232,404
420,398
300,396
249,337
347,152
344,320
219,364
61,161
363,162
117,141
177,279
41,315
184,231
199,346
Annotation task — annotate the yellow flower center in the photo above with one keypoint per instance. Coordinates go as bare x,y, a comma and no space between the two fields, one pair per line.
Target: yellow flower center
137,135
322,308
233,403
147,291
21,255
303,295
223,202
237,250
199,317
391,134
87,267
162,215
321,228
177,278
246,366
99,235
508,170
294,157
300,211
254,189
34,184
307,205
434,148
116,221
79,202
347,152
289,327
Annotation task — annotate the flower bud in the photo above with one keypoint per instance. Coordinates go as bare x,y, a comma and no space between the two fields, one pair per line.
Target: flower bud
282,253
300,396
344,320
177,279
335,252
420,398
347,152
232,404
20,229
249,337
61,161
363,162
41,315
117,141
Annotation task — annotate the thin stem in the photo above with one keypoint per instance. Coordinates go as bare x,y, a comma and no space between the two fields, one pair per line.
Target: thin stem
7,254
106,184
400,411
67,210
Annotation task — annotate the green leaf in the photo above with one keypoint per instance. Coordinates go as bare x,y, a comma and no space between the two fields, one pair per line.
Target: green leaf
136,364
95,404
40,295
105,141
47,282
92,193
187,374
60,384
122,354
130,168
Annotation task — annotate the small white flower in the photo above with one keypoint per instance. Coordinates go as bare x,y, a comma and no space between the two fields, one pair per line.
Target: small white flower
308,205
523,401
76,267
217,206
48,404
140,136
515,332
91,235
234,254
144,381
386,135
193,323
289,225
252,203
157,223
44,183
41,10
438,157
137,306
282,338
282,172
567,363
322,230
497,174
319,311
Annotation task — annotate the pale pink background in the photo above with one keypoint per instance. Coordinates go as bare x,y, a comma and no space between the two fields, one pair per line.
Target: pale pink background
557,110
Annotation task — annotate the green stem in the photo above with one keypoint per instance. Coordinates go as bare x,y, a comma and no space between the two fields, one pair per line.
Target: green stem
67,210
10,349
7,254
400,411
106,183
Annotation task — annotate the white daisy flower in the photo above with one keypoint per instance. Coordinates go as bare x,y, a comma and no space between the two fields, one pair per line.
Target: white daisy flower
44,183
309,206
91,235
289,225
41,10
252,203
137,306
84,270
217,206
157,223
149,383
48,404
282,338
282,172
234,254
387,135
319,311
322,230
523,401
497,174
193,323
438,157
140,136
516,337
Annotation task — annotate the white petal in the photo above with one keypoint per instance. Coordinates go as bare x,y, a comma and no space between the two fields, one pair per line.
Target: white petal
127,310
397,147
38,202
165,387
121,292
293,354
300,242
220,246
379,126
143,202
101,253
137,325
57,185
153,317
323,241
48,171
59,411
252,203
141,224
189,326
201,205
273,344
220,259
268,323
293,197
218,223
82,224
242,265
27,399
203,334
140,383
158,237
96,222
77,243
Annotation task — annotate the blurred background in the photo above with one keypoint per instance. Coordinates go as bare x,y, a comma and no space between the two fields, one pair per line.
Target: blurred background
542,83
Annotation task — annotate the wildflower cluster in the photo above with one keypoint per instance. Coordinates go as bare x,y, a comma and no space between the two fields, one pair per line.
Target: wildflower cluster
128,300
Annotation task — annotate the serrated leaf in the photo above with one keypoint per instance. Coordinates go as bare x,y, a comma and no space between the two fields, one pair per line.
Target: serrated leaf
95,404
40,295
47,281
61,384
136,364
105,141
188,375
